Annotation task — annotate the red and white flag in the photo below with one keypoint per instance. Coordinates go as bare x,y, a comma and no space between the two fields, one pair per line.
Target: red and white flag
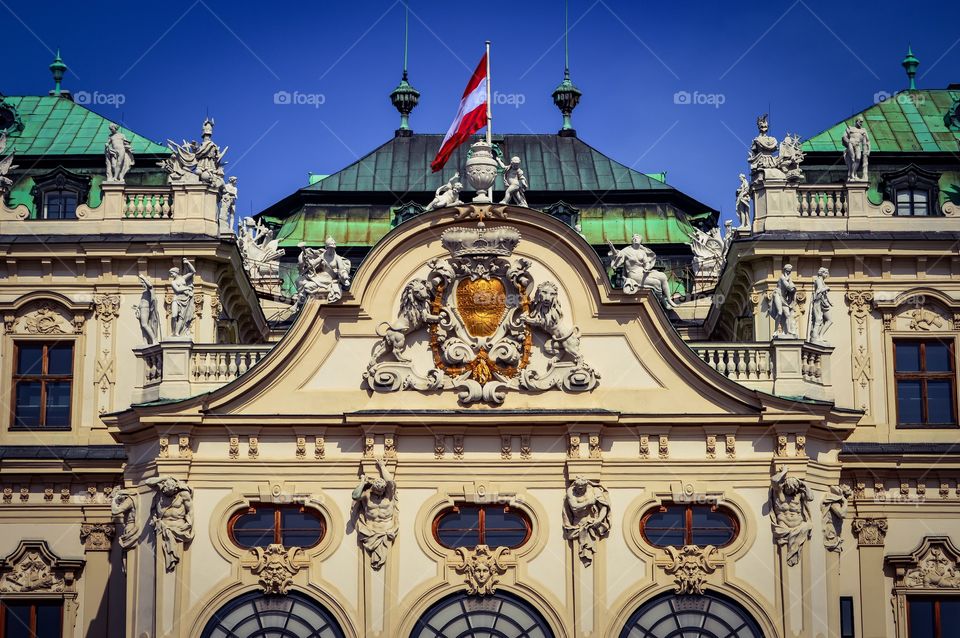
471,116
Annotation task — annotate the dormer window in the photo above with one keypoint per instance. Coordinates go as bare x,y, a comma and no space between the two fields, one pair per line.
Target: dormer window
58,194
914,191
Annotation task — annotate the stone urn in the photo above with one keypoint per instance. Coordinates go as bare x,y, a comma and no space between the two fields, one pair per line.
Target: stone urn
481,170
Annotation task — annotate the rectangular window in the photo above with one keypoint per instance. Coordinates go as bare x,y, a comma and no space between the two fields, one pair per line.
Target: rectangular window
60,205
924,375
933,617
31,619
846,617
42,385
913,202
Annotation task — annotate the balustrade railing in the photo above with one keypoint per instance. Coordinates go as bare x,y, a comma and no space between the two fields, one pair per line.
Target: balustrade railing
822,201
219,364
784,367
147,204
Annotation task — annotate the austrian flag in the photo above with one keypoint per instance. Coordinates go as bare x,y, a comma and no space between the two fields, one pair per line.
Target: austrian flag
471,116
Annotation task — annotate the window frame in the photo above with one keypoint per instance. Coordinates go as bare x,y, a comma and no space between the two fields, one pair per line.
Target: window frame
43,378
913,179
911,203
59,180
688,522
33,602
936,600
278,508
457,507
923,376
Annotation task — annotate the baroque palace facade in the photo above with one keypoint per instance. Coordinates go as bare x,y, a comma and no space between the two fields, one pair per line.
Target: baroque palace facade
576,411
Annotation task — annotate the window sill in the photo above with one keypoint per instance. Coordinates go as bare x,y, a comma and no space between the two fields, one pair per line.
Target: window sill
21,428
923,426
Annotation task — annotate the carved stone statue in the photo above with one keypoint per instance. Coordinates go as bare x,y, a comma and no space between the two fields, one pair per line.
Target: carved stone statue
172,516
375,502
182,309
260,250
6,165
790,157
228,203
193,163
414,313
762,148
447,195
546,314
586,516
820,308
118,154
743,203
790,513
833,509
321,273
856,141
147,314
782,306
708,252
637,262
124,507
514,182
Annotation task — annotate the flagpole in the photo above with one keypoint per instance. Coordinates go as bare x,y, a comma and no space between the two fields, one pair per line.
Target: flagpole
489,118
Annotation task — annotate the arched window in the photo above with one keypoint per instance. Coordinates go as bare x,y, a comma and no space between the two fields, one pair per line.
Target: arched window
496,616
469,525
257,616
680,524
264,524
707,616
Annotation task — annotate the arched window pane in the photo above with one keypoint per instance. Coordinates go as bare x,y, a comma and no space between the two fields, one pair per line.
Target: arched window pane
289,525
497,616
469,525
687,524
707,616
257,616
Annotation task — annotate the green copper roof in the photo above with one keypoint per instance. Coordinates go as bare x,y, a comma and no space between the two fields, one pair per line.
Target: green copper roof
58,126
550,162
366,225
908,122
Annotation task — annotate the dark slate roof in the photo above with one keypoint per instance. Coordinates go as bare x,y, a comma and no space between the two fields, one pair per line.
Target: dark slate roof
863,449
550,162
59,126
64,452
908,122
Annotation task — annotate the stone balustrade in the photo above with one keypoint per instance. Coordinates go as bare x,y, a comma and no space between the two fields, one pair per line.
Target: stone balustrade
176,369
131,210
785,367
782,206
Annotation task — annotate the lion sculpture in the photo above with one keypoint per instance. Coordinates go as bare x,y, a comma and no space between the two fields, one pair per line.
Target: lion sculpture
546,315
414,313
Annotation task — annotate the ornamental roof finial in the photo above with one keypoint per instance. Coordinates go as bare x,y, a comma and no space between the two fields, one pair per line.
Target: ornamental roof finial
57,68
566,96
404,98
910,64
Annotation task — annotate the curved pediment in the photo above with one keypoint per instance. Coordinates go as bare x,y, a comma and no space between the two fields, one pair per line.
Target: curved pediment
493,309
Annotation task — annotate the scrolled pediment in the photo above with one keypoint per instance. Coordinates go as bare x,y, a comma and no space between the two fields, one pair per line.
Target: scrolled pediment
931,566
33,568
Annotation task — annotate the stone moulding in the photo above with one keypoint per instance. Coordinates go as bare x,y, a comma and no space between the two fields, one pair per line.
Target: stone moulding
33,569
276,566
932,566
481,568
690,565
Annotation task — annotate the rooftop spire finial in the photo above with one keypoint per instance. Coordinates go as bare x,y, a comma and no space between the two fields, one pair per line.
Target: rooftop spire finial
57,68
404,98
566,96
910,64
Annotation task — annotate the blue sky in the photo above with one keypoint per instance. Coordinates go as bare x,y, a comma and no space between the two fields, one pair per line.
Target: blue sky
161,67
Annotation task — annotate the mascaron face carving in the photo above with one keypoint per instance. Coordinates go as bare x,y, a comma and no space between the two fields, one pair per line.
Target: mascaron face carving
479,310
